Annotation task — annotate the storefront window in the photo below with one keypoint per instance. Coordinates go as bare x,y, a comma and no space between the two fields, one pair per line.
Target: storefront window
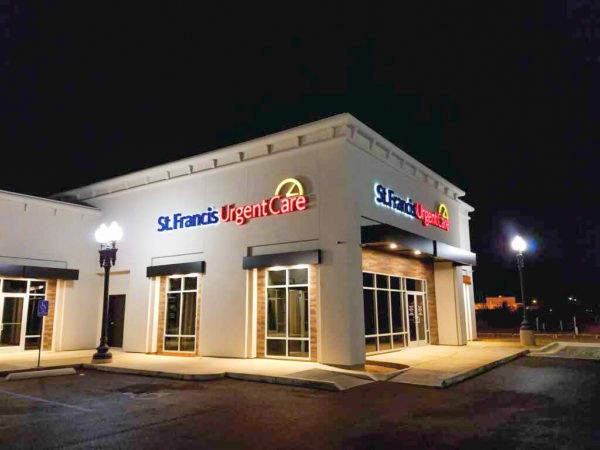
287,318
14,286
387,310
12,316
20,325
414,285
33,329
180,314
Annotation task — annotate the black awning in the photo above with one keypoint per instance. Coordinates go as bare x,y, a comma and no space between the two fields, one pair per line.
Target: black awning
387,234
176,269
379,237
13,270
454,254
282,259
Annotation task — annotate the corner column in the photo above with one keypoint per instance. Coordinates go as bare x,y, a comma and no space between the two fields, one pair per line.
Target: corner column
450,304
342,336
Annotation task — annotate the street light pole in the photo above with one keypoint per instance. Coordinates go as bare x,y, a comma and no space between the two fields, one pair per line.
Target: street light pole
107,237
525,325
526,334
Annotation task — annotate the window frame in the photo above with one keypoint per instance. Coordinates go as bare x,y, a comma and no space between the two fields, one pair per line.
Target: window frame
422,293
181,292
404,308
287,287
27,296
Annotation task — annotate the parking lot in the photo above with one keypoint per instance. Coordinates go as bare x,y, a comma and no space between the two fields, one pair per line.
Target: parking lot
529,403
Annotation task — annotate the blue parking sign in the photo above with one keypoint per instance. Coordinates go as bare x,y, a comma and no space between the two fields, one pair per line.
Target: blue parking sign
42,309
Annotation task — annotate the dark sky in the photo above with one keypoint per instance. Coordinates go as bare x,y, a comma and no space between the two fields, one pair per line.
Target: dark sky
503,100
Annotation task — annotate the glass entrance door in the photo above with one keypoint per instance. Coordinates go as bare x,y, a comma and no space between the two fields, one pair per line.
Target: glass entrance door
417,319
11,315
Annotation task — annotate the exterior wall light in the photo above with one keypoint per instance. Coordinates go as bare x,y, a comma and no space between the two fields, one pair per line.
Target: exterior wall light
393,246
417,252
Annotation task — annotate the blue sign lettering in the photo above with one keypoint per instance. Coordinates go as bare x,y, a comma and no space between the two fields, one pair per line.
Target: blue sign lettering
178,220
388,198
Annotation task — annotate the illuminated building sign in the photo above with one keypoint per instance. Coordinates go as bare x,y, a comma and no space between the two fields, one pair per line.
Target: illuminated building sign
178,220
389,199
289,197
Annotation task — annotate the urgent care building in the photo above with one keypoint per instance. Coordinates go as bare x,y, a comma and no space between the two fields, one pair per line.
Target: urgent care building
325,242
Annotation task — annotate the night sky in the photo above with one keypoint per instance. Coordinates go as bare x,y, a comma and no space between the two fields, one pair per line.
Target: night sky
501,99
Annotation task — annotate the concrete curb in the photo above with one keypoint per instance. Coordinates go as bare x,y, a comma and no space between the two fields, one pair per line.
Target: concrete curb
26,375
551,351
289,381
157,373
369,376
387,376
4,373
381,376
545,348
580,358
282,380
482,369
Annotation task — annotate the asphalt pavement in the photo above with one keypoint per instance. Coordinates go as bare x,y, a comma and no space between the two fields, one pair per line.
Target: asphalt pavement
528,403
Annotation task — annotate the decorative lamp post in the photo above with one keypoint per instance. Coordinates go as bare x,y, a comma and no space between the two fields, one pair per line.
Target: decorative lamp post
107,237
526,333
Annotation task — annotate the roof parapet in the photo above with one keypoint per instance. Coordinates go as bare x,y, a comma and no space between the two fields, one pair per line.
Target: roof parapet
341,125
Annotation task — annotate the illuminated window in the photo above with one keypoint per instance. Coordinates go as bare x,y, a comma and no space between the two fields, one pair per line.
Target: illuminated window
395,311
180,314
287,313
18,305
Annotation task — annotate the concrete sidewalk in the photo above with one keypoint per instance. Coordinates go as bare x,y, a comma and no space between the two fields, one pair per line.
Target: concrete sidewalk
569,350
297,373
17,361
432,365
443,366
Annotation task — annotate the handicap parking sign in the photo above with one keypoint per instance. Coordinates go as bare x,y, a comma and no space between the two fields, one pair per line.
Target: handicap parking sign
42,309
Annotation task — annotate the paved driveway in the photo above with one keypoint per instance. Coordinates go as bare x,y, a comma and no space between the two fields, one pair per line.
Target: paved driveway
530,403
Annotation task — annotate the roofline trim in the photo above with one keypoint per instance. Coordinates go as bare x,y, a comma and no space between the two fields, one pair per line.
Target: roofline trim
48,202
341,125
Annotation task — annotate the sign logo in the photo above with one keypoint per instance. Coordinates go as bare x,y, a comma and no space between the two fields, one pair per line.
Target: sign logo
388,198
443,210
289,197
291,187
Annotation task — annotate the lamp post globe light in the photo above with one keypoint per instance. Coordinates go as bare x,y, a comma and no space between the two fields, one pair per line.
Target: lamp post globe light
107,237
526,334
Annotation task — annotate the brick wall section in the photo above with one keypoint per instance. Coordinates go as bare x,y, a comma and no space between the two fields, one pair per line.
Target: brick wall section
49,319
313,295
313,302
260,312
162,306
374,261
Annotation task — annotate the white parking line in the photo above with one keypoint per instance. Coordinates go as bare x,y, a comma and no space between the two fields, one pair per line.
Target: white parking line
30,397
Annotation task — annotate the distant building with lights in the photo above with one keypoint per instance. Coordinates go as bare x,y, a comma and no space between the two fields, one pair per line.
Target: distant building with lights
499,303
